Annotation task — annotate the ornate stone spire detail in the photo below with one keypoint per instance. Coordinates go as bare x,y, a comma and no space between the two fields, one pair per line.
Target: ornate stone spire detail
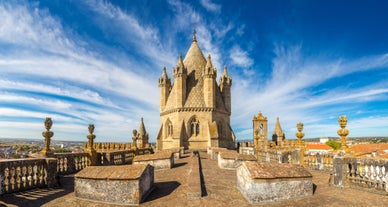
90,149
142,130
180,68
343,132
209,70
278,129
46,151
225,79
140,136
194,36
164,80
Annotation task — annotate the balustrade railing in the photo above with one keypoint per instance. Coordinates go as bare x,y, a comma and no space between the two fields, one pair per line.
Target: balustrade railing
69,163
319,161
23,174
366,173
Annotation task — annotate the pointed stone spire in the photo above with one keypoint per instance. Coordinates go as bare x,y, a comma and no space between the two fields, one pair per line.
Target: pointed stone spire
225,79
209,70
278,129
180,68
209,63
164,80
142,130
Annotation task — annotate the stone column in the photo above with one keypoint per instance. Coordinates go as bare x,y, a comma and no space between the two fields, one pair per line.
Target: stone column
90,149
46,151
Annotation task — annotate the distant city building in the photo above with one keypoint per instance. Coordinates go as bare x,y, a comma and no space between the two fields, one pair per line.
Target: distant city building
195,110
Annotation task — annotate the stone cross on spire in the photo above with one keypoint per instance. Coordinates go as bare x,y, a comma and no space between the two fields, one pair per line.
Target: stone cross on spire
194,35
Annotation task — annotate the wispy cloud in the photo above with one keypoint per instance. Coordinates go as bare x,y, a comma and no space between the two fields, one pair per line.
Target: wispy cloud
239,57
210,6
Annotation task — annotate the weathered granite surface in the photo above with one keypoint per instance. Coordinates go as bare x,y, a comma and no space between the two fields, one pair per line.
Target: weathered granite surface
159,160
230,159
262,183
125,184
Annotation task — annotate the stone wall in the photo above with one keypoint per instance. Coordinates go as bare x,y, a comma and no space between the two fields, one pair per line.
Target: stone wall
262,183
124,185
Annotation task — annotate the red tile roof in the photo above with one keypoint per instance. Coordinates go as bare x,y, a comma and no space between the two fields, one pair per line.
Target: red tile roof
318,146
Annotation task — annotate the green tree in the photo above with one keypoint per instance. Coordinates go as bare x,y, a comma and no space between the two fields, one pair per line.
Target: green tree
333,144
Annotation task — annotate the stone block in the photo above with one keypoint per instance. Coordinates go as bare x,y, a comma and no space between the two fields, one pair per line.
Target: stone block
230,159
262,183
123,185
160,160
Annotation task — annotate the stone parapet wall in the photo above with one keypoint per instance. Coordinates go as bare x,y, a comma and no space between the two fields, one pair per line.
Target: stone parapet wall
123,185
262,183
23,174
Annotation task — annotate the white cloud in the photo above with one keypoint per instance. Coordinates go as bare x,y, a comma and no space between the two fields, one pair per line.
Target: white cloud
239,57
210,6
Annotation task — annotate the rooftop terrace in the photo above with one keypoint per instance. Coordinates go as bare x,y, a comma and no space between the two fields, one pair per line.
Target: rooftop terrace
171,184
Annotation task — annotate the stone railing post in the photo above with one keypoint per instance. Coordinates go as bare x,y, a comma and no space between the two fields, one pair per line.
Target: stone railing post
90,149
340,172
46,151
51,179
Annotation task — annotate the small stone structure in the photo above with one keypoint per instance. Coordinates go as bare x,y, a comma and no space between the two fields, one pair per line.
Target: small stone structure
124,185
230,159
262,183
214,151
159,160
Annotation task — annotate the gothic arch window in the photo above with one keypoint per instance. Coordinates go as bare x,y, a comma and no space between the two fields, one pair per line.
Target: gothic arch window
194,127
261,129
169,128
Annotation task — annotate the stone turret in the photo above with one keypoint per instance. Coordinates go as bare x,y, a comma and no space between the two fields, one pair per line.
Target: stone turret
164,88
209,85
140,137
180,76
278,134
225,85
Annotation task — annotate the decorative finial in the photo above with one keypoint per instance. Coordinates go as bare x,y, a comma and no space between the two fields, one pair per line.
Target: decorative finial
343,132
225,70
47,137
299,134
194,35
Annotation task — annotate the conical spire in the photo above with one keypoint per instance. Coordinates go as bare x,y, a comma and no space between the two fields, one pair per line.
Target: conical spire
180,62
194,58
164,80
180,68
209,63
278,129
142,130
225,71
225,79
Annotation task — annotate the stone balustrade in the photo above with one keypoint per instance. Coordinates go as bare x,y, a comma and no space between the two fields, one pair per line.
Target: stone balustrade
369,174
69,163
121,157
319,161
23,174
107,146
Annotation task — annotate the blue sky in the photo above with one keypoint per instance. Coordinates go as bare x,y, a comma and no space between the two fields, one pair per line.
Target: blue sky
98,62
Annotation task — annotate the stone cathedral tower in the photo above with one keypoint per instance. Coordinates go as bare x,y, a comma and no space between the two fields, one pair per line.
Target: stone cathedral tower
195,110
